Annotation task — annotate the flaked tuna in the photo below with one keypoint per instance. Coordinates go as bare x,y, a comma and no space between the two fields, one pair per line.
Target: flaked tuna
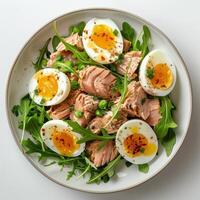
130,62
97,81
101,156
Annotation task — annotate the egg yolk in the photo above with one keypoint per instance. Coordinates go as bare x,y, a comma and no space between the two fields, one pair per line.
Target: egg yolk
65,142
162,76
103,36
47,86
137,145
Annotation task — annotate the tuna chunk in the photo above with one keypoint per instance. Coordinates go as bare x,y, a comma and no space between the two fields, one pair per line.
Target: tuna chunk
127,45
136,104
97,81
101,156
86,104
99,122
131,61
154,107
134,100
63,110
74,40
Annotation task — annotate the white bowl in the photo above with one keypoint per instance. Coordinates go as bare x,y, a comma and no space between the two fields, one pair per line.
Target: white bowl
22,70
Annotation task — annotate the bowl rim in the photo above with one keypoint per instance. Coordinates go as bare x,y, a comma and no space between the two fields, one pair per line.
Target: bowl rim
27,43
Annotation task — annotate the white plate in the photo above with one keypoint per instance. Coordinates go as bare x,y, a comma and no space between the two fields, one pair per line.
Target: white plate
22,71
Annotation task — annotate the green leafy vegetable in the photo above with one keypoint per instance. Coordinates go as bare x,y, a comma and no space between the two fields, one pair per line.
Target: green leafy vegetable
87,135
143,168
111,165
74,85
143,46
66,66
32,147
15,110
128,32
23,110
77,28
55,42
39,63
146,38
169,141
33,127
120,59
166,121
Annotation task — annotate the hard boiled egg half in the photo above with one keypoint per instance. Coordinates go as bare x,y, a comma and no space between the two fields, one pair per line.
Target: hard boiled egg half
157,73
59,137
136,142
49,87
102,40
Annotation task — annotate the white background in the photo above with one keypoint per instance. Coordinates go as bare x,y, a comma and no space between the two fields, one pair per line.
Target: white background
179,19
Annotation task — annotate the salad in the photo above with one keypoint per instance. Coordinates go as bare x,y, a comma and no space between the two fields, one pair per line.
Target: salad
99,96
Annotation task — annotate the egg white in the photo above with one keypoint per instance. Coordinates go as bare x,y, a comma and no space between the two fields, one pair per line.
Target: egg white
63,87
109,55
46,132
156,56
125,131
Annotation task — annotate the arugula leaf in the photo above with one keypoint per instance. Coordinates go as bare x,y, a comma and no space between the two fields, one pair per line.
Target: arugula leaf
38,65
166,121
77,28
146,37
128,32
74,85
111,165
24,108
15,110
143,46
72,172
87,135
120,59
143,168
33,127
55,42
32,147
169,141
64,67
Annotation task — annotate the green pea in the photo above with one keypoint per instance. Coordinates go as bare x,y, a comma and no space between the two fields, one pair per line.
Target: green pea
99,113
78,114
103,104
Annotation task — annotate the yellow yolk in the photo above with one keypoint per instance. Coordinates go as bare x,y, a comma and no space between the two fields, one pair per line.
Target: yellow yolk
137,145
163,77
103,36
47,86
65,142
